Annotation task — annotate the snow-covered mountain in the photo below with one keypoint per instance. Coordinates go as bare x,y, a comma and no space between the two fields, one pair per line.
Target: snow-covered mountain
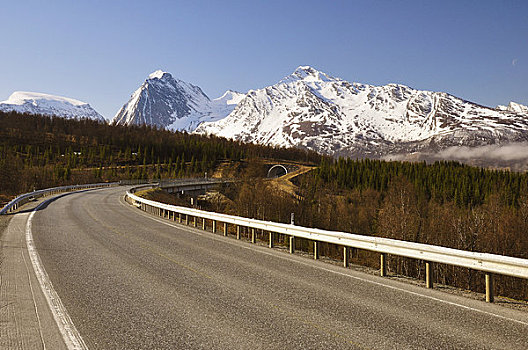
514,107
173,104
310,109
38,103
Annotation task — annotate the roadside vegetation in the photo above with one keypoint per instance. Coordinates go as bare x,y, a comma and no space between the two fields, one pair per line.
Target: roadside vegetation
39,152
445,203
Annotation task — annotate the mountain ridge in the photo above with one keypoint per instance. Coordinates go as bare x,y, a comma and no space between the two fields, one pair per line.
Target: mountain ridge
313,110
50,105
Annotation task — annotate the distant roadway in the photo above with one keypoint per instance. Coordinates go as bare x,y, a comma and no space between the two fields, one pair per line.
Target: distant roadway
133,281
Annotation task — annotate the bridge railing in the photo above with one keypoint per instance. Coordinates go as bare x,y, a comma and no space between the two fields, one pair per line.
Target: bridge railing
26,197
488,263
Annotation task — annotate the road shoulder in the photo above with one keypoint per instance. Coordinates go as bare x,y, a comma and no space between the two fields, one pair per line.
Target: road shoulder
26,321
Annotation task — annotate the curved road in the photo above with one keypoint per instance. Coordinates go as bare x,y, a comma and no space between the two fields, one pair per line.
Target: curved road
133,281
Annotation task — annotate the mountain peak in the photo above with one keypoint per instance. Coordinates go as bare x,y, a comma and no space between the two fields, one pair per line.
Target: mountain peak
159,74
305,70
173,104
307,74
46,104
21,97
514,107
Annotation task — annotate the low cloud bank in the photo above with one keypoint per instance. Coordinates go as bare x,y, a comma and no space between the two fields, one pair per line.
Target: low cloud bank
509,152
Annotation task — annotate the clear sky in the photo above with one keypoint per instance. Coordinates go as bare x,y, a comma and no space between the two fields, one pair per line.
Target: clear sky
101,51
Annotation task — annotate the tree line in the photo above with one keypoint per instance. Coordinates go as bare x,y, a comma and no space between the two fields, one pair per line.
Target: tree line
41,151
442,181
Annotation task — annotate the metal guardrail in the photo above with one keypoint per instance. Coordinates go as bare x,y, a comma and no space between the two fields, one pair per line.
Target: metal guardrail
186,184
488,263
26,197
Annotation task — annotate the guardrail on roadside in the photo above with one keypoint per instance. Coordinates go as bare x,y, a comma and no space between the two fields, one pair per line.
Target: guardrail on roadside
26,197
488,263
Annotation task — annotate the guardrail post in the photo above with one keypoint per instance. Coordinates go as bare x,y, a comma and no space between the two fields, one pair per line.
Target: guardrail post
292,244
271,239
489,288
194,221
237,231
225,229
383,264
179,218
203,224
428,275
214,226
345,256
253,237
186,219
316,250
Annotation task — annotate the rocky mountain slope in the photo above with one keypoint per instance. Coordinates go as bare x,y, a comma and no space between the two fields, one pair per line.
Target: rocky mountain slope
173,104
310,109
39,103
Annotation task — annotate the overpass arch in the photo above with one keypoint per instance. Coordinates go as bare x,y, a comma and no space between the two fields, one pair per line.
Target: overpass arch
277,170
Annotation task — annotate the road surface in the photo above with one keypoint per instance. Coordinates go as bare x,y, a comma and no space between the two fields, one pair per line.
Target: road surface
133,281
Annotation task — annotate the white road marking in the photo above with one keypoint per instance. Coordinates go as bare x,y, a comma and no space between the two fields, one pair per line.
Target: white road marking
70,335
34,301
275,254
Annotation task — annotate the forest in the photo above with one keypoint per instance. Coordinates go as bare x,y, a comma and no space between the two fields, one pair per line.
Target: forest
39,152
446,203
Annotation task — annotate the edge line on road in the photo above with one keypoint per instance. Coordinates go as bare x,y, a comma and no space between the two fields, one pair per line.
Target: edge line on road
34,300
69,332
191,230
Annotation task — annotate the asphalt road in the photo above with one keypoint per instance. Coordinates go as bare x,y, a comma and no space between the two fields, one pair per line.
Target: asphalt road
133,281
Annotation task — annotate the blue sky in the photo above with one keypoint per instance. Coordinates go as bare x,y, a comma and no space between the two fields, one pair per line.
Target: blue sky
101,51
